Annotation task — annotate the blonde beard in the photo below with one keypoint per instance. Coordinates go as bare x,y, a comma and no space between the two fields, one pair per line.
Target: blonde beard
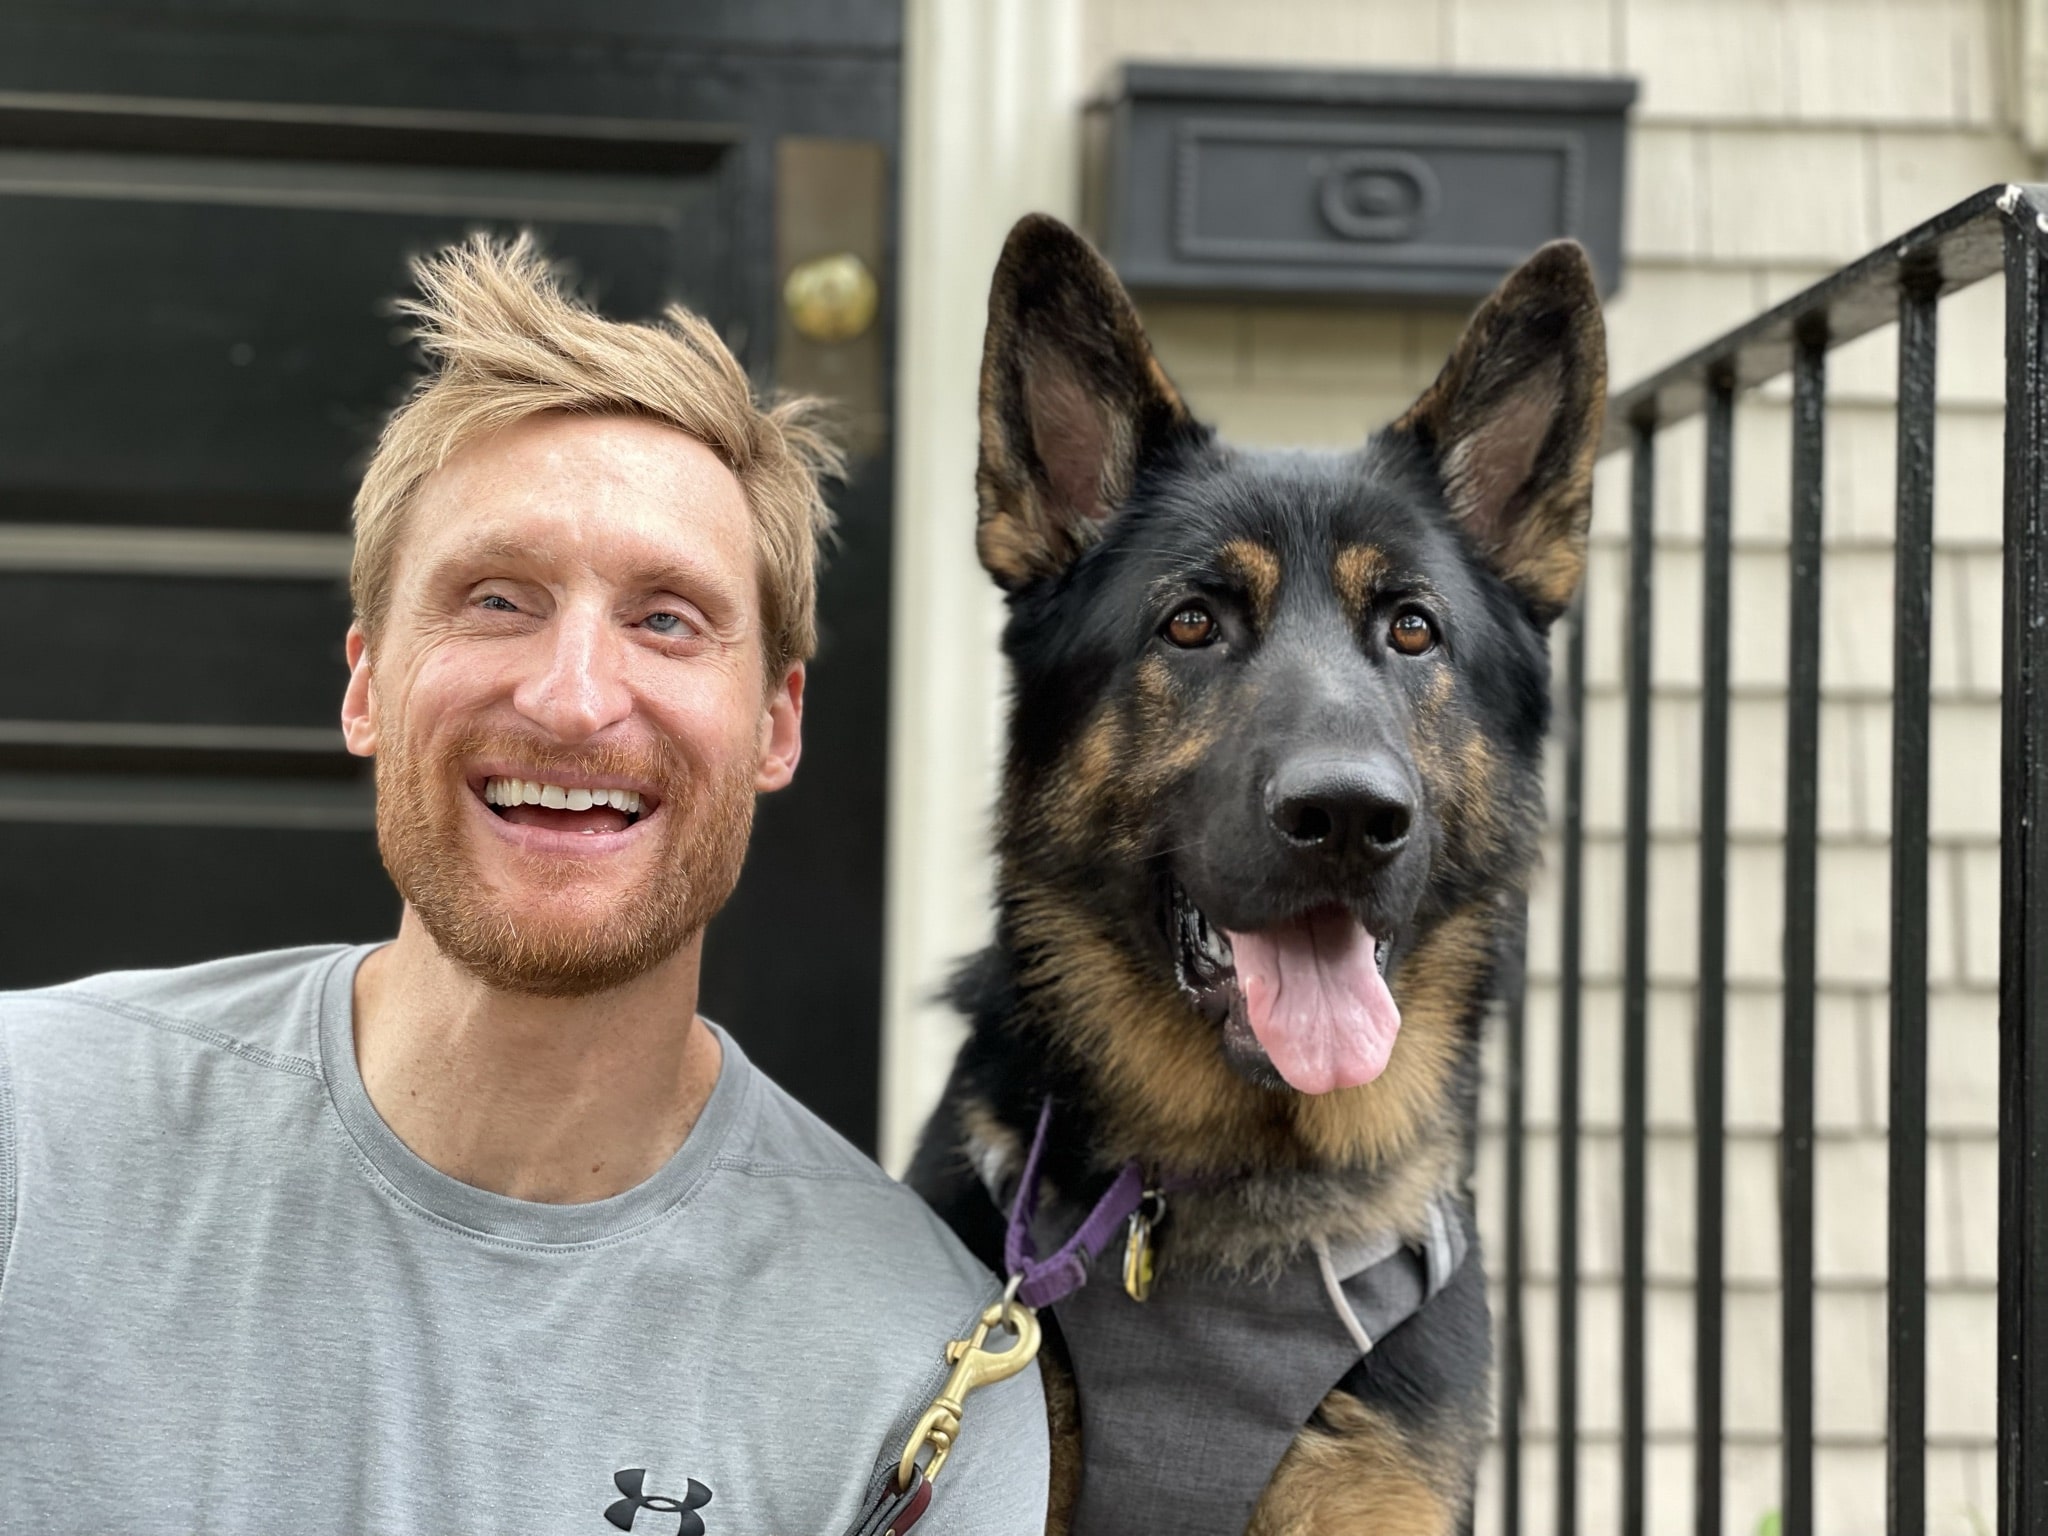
419,834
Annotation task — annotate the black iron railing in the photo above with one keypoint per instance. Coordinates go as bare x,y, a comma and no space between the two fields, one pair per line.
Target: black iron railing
2002,229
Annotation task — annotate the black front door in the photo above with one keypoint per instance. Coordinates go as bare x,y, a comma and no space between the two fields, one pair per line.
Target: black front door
205,206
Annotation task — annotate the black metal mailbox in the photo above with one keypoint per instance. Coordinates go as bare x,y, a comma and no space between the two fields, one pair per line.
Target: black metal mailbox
1353,184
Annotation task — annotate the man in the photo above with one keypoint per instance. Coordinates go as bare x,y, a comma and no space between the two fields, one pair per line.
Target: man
484,1229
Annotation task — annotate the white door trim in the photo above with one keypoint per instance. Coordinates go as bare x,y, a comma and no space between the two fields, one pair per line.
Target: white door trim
991,130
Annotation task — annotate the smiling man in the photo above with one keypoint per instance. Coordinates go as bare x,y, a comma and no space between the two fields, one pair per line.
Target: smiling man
485,1228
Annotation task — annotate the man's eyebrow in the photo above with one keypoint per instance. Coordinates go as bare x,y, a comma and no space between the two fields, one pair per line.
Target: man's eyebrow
648,576
497,551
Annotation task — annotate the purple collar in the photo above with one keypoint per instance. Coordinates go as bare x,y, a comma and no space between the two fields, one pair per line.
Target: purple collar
1041,1282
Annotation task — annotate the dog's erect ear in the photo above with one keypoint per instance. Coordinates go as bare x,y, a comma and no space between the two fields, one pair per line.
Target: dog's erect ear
1071,401
1512,424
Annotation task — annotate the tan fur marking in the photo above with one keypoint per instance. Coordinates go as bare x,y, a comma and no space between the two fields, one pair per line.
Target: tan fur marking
1155,679
1119,767
1155,1058
1009,548
1472,807
1168,762
1357,573
1359,1477
1436,696
1551,568
1082,804
1431,740
990,1145
1063,1428
1161,384
1258,567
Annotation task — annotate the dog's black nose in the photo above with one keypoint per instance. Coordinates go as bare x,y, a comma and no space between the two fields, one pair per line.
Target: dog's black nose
1342,805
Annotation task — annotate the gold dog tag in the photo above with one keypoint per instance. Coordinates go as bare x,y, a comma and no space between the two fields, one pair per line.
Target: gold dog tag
1138,1245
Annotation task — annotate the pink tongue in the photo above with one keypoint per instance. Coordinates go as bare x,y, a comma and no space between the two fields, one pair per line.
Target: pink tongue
1316,1000
599,818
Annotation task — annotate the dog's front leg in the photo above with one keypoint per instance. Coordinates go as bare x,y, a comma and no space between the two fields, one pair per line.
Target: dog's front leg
1355,1473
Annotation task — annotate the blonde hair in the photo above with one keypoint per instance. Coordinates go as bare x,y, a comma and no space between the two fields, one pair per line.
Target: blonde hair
505,340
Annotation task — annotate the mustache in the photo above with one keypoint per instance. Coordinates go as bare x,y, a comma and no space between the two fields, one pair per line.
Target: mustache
654,762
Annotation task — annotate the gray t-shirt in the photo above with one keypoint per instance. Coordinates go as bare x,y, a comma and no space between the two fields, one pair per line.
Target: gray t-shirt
232,1300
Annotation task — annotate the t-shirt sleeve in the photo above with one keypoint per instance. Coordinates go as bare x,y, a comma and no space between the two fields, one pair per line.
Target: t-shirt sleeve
995,1481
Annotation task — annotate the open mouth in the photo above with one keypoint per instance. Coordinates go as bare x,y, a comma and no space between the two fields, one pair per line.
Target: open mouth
1303,1002
586,808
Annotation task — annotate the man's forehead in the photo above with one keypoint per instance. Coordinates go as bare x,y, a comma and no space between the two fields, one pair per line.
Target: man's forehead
554,488
597,454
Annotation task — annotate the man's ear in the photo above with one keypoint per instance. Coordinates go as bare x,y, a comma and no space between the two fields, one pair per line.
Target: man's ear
1071,401
358,702
782,732
1512,425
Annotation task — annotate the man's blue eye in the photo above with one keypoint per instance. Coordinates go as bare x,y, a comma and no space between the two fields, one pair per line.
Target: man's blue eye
498,604
666,623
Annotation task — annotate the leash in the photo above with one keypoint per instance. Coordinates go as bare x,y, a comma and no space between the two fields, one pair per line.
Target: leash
904,1498
1034,1282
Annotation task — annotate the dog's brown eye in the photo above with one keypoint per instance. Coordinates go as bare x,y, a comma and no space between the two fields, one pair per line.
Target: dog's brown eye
1411,634
1191,628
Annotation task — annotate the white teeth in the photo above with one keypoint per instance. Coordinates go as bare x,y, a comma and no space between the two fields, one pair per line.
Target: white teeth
511,791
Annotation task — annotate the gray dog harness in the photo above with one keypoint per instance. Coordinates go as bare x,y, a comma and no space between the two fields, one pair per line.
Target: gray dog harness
1190,1398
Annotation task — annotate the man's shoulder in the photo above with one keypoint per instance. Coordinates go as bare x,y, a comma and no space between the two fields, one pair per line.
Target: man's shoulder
847,1231
848,1204
259,1006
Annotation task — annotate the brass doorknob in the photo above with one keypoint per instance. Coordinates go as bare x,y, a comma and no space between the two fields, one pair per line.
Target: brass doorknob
831,298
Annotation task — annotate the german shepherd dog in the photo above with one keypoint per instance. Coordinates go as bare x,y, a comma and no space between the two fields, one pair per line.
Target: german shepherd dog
1270,804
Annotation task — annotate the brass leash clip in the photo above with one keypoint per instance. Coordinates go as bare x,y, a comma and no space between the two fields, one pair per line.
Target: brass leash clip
973,1368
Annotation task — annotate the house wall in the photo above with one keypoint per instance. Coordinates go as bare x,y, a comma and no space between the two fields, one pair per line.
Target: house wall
1773,141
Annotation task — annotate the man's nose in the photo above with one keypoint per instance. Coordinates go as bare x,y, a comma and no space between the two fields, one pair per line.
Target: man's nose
578,685
1341,805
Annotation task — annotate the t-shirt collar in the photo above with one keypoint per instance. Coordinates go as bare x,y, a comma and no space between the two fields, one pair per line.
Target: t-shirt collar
481,1211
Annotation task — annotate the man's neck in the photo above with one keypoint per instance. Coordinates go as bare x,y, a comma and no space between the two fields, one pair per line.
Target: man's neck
541,1098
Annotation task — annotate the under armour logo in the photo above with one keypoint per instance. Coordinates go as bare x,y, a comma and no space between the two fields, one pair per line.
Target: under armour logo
629,1483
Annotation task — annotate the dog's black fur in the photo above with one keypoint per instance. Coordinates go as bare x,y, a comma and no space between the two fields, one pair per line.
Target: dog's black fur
1217,712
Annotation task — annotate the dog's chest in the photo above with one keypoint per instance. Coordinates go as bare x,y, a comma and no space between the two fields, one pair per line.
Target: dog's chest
1189,1400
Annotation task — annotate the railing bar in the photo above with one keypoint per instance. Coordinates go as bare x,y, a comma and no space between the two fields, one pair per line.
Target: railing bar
1802,831
1963,240
1570,959
1912,630
1635,984
1511,1376
1710,1041
2023,906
